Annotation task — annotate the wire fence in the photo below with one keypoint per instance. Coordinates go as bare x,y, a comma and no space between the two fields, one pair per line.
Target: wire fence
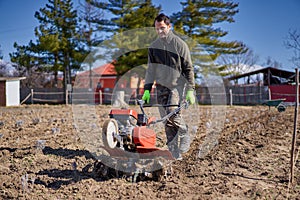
250,95
59,96
230,95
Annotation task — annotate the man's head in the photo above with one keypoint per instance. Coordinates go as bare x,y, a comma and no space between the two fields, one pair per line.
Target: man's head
162,25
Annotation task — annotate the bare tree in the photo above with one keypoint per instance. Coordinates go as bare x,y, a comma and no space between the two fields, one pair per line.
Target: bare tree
1,55
35,77
6,69
235,64
88,16
272,63
292,42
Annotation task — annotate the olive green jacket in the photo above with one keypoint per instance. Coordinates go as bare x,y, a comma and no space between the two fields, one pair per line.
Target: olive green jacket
169,63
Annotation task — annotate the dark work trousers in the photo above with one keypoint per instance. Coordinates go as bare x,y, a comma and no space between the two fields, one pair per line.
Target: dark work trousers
175,125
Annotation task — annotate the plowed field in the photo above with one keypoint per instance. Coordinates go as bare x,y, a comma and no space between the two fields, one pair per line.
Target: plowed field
42,157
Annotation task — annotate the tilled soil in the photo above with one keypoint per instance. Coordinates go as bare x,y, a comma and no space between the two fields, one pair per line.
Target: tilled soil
42,156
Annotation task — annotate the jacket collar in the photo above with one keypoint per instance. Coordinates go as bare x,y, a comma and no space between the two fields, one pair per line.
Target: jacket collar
168,38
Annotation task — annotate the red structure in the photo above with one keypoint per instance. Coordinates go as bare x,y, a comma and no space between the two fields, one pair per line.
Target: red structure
287,92
104,79
98,79
279,82
104,75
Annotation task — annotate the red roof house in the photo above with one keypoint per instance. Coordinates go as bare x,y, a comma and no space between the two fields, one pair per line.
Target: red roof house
104,79
100,77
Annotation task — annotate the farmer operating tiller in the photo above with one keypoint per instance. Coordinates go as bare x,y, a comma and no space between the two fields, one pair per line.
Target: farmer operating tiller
170,66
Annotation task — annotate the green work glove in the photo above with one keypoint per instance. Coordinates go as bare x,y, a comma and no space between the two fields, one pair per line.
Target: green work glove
146,96
190,96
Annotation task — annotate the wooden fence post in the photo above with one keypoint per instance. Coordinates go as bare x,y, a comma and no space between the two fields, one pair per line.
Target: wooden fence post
100,97
230,97
67,94
31,96
295,127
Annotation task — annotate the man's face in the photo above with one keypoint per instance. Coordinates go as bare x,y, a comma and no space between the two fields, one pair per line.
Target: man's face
162,29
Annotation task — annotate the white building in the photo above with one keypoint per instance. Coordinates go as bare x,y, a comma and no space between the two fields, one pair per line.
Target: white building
10,91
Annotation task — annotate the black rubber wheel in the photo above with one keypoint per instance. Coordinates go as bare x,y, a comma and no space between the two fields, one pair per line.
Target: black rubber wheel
281,108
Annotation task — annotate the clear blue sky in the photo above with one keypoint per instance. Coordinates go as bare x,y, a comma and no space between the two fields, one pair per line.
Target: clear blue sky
260,24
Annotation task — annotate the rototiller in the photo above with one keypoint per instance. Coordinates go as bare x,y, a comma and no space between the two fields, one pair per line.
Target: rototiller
131,143
129,131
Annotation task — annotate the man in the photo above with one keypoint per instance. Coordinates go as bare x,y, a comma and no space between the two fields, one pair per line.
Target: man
170,65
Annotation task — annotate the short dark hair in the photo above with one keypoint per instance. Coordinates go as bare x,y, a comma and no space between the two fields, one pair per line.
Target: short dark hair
162,17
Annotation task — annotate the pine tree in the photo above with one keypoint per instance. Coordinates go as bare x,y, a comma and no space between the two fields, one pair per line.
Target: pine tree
28,65
117,9
138,22
127,16
129,35
23,56
58,37
197,20
57,47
